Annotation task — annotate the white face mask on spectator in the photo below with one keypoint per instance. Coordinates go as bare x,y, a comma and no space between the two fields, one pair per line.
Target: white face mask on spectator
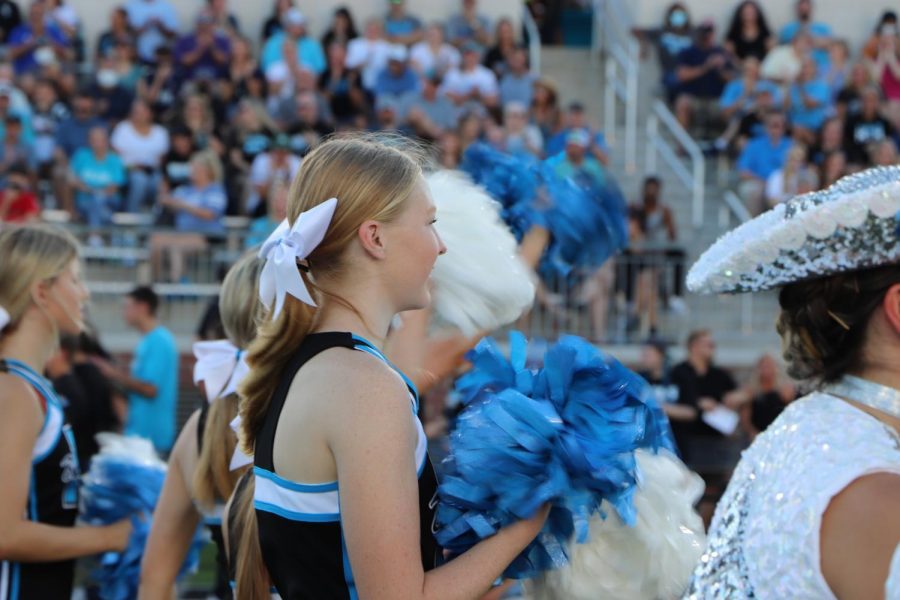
107,78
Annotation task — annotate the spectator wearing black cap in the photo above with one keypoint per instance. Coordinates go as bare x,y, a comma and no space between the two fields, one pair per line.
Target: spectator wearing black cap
469,26
277,164
472,82
18,203
204,53
10,18
400,27
703,70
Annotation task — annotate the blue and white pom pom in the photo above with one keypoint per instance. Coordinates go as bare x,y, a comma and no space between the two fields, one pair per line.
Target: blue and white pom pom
125,481
566,433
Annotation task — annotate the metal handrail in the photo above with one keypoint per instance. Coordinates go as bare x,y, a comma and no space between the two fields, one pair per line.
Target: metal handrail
611,37
534,40
695,180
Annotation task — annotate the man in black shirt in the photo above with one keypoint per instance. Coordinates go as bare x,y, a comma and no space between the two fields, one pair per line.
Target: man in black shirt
867,129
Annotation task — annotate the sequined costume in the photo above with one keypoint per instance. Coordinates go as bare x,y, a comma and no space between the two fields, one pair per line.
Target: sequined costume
764,539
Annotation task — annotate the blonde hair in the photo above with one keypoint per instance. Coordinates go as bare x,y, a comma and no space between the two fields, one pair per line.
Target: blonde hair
372,179
30,253
240,311
210,160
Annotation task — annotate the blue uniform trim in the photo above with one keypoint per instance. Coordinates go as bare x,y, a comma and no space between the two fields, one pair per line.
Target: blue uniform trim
45,389
32,499
14,583
292,485
296,516
348,570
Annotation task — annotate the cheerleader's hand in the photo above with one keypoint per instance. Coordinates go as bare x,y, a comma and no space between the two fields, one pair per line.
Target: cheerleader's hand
119,534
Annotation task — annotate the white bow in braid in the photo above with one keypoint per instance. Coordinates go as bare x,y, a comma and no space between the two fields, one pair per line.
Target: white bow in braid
221,365
280,275
4,318
239,458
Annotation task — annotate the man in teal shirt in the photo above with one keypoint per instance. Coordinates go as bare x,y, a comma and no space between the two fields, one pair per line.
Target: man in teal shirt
307,52
152,383
575,162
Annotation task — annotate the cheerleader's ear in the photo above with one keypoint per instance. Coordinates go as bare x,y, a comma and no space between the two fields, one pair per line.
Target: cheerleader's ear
891,306
371,237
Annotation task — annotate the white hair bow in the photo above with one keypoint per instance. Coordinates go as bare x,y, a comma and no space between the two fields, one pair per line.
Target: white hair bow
239,458
221,366
280,275
4,318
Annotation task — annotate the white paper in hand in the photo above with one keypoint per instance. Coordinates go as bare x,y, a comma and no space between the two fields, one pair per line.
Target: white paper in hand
722,419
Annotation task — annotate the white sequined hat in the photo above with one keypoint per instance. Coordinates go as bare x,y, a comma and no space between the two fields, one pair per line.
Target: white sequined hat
852,225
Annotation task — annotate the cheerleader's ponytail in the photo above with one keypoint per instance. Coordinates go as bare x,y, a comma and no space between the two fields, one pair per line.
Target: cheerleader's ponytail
251,578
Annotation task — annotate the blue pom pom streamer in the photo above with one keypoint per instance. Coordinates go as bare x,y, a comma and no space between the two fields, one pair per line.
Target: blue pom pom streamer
119,487
564,433
587,224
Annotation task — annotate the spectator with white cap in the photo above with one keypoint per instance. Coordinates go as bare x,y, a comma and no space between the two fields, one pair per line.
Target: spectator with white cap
397,80
577,163
472,81
400,27
155,22
575,118
369,54
293,46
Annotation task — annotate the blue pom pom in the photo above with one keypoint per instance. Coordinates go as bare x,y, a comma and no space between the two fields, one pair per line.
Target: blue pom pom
120,486
565,433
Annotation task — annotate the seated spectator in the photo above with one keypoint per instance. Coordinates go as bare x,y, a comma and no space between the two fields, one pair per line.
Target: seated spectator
198,207
341,86
834,166
449,150
672,38
308,127
197,116
397,80
849,100
470,128
119,32
545,106
342,29
497,57
126,66
471,82
400,27
98,176
866,129
797,176
224,20
155,22
18,100
576,120
14,148
469,26
276,165
575,161
838,72
242,65
141,144
830,140
48,113
753,123
808,102
279,102
517,82
176,168
740,94
160,85
65,18
749,35
886,21
886,70
7,110
884,154
369,54
820,32
113,99
654,368
765,396
521,138
36,43
703,70
783,63
388,115
18,203
262,227
433,56
10,18
761,157
430,113
293,46
272,25
203,54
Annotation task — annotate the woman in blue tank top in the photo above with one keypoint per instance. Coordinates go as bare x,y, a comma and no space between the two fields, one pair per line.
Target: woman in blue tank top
343,490
41,296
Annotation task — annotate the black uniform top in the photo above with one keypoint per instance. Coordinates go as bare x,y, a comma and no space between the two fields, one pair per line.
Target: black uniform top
300,529
52,496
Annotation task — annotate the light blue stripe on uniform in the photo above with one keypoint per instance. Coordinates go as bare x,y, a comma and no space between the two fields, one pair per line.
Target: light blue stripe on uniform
297,516
312,488
51,430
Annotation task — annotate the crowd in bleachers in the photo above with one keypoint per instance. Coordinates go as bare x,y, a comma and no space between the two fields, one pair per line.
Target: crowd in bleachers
190,122
793,106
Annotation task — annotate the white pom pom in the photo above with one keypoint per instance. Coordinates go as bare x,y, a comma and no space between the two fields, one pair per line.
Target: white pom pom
480,284
654,559
132,448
